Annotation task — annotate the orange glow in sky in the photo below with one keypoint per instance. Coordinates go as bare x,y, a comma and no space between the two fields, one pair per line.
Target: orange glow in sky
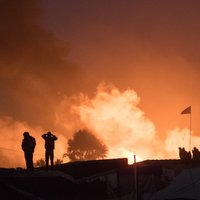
114,116
122,69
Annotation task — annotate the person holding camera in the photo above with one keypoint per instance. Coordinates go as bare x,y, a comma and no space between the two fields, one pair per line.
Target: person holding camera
49,146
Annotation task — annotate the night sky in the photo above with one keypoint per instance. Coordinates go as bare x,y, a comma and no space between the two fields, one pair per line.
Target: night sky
66,65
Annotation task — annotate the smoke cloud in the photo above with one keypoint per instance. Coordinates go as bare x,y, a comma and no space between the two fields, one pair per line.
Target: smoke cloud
34,70
114,116
40,87
35,74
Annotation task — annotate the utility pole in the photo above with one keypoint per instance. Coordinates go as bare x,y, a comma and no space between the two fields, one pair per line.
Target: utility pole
135,178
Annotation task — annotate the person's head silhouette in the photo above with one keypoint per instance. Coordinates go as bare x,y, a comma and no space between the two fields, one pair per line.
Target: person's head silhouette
49,133
26,134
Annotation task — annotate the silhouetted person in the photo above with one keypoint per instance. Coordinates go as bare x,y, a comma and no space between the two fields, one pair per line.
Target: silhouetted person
181,153
28,146
49,146
196,154
188,155
184,155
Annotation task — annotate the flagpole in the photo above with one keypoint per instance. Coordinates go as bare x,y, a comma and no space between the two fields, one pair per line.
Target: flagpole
188,110
135,178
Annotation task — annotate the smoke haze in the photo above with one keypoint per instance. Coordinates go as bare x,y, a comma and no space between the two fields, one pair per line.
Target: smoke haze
54,56
34,76
114,116
35,72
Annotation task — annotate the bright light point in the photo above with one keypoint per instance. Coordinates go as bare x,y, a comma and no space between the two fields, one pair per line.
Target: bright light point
130,157
128,154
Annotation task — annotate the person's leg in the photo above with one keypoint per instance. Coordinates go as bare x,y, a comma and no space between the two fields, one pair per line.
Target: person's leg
51,157
29,161
47,159
26,159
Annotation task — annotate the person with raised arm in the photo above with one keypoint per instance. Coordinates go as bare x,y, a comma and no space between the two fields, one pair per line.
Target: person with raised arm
49,146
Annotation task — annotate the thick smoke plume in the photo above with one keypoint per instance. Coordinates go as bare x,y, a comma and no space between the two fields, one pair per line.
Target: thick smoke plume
113,115
34,76
116,117
34,70
39,89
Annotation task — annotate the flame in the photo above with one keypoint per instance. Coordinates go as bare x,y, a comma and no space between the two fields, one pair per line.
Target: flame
130,155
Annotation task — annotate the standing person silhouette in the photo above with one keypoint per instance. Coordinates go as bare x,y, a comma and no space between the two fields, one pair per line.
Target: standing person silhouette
28,146
49,146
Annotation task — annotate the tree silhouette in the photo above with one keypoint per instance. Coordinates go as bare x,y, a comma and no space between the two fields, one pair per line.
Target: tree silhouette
85,146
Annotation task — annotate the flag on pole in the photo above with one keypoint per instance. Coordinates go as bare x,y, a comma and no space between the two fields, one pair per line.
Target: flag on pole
187,110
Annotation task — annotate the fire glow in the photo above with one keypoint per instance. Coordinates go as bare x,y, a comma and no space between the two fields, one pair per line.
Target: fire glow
114,116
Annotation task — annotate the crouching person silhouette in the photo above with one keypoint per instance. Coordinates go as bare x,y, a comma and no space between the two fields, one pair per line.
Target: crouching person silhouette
28,146
49,146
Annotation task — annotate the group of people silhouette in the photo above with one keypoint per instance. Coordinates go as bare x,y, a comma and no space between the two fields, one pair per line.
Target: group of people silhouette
28,146
186,155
